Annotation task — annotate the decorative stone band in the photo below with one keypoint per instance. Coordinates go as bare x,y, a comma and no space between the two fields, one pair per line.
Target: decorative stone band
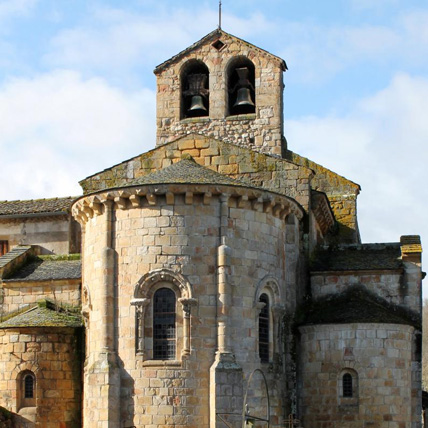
150,195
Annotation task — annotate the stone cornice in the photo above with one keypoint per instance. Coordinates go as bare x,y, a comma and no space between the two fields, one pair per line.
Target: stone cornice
279,206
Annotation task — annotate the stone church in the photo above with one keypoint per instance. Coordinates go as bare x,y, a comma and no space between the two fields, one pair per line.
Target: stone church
216,281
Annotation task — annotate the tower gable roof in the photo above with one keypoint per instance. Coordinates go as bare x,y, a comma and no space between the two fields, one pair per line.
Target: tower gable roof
187,171
211,37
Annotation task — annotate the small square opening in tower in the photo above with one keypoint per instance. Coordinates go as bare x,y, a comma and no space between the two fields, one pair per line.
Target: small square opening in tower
218,44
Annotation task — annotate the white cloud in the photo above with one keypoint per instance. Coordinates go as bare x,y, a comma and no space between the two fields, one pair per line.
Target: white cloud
118,39
115,39
58,128
382,146
319,52
9,8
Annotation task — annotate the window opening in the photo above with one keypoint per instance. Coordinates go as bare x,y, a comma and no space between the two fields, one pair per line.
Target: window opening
218,44
241,85
4,247
264,330
164,314
28,386
347,385
195,92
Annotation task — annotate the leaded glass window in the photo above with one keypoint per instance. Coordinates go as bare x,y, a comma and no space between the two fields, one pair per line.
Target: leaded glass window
164,330
28,386
264,330
347,385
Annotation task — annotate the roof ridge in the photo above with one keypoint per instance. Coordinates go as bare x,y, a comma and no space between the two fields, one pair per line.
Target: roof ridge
217,31
56,198
187,171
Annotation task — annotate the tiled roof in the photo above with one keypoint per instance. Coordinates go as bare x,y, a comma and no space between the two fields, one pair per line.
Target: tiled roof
44,316
13,254
44,268
358,257
36,206
357,304
187,171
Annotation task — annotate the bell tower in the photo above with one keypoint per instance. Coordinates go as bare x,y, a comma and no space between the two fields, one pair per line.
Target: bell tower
225,88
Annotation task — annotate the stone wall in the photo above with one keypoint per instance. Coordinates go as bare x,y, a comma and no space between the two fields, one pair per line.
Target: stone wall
262,131
52,234
382,358
52,355
342,195
181,238
390,285
18,295
277,175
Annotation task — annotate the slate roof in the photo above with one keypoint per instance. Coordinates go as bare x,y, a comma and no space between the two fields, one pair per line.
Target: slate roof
44,268
214,35
12,254
36,206
187,171
357,304
358,257
44,316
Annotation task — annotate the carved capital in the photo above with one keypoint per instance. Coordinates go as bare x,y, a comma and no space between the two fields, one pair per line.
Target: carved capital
187,305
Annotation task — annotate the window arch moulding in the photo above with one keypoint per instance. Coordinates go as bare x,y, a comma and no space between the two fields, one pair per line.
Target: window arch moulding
144,292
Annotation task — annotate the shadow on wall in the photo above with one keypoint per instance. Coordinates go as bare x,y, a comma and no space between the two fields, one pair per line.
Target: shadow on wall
127,398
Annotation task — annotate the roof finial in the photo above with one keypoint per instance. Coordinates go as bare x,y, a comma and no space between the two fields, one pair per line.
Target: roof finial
219,14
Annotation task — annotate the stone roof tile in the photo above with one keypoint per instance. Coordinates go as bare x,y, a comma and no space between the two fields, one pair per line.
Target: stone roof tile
355,305
187,171
10,256
44,316
358,257
46,269
36,206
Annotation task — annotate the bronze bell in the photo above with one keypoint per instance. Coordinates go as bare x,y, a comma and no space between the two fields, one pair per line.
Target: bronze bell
197,103
243,98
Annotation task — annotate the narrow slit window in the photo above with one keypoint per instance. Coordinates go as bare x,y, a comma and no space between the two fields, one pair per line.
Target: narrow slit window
347,385
164,329
28,386
264,330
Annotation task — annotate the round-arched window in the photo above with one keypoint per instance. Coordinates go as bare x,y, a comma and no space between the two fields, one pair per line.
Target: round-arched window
164,327
264,329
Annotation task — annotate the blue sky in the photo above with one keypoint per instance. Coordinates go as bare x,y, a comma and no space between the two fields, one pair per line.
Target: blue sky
77,90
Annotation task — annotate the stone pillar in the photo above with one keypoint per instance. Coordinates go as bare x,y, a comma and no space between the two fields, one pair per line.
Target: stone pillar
102,379
140,309
226,377
187,305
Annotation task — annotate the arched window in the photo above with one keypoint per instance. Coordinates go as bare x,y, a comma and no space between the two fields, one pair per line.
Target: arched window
194,90
163,300
26,389
264,330
241,86
164,329
347,385
28,386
